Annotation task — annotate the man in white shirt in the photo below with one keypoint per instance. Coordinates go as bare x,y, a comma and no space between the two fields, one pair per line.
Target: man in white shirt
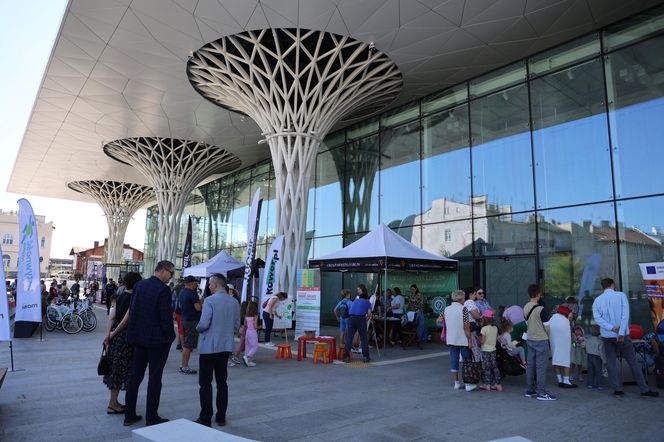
611,313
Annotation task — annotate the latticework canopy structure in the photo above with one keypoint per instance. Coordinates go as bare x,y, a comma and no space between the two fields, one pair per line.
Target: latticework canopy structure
119,201
295,84
174,168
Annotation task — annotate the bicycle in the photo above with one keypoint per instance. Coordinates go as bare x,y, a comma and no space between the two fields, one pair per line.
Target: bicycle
88,315
64,317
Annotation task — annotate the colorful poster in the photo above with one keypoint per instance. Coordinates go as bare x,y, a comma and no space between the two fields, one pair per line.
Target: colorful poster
252,233
307,304
28,287
653,278
5,331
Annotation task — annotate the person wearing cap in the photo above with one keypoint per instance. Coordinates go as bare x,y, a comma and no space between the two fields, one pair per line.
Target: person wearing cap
488,339
560,336
190,307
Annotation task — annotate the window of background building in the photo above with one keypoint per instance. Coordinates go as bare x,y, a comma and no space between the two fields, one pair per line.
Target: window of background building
8,239
329,192
6,261
43,242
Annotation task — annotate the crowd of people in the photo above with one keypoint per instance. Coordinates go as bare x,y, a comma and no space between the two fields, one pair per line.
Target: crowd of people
140,332
476,334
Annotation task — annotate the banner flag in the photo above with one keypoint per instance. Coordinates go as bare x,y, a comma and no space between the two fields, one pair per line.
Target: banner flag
653,278
28,287
5,333
270,285
252,233
186,254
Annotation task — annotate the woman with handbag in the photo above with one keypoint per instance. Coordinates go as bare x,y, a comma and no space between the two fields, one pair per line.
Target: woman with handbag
457,325
118,350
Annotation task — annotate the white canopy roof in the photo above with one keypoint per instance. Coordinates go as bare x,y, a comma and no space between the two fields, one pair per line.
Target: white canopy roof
222,263
382,243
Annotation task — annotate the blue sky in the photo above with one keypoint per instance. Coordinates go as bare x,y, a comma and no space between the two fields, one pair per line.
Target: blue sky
27,33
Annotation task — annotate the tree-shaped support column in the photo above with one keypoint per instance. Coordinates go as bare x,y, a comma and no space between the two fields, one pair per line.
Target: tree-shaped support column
119,201
174,168
295,84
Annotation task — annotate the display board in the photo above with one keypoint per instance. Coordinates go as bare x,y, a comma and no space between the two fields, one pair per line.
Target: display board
307,304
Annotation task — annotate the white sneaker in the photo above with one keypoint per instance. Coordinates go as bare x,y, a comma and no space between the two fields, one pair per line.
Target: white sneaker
457,385
355,350
246,361
269,344
251,364
470,387
232,363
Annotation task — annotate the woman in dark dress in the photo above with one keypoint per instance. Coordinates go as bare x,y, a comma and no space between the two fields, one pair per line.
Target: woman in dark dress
118,349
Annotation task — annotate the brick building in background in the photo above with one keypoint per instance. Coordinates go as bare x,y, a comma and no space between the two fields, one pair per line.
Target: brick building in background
88,263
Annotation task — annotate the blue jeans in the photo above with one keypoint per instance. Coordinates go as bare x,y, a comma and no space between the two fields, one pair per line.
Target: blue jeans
267,325
357,324
455,351
421,325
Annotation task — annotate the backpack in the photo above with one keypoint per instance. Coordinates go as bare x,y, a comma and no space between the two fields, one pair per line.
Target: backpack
343,310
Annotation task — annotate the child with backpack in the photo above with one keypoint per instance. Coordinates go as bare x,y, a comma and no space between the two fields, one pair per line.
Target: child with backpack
342,313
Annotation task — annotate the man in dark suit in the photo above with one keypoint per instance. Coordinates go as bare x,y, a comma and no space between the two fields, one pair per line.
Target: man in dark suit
150,331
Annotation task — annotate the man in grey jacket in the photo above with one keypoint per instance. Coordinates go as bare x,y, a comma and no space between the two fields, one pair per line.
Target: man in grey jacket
220,319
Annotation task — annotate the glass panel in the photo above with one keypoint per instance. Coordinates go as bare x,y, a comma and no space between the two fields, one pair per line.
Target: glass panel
363,129
501,156
330,290
400,175
640,225
565,55
446,166
223,215
447,98
262,182
329,193
502,78
240,216
573,242
327,245
451,239
505,281
311,207
636,104
361,187
400,115
333,140
270,208
570,133
505,235
634,28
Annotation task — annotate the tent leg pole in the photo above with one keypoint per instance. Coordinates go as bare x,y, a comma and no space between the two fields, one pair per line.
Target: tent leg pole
11,354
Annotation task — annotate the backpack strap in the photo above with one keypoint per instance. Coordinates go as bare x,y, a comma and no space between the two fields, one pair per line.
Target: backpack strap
531,311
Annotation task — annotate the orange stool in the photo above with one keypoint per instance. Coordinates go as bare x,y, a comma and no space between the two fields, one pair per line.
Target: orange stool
320,349
342,347
284,352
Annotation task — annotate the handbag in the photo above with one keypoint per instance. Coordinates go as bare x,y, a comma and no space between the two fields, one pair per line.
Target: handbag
104,365
471,371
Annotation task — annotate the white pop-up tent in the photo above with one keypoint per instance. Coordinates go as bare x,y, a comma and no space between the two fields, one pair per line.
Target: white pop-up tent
222,263
382,249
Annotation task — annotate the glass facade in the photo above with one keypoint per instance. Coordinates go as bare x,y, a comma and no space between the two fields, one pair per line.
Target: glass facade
533,173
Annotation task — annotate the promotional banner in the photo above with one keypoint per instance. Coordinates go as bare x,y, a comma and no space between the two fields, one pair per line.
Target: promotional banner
186,254
5,333
28,288
308,301
653,278
252,233
270,285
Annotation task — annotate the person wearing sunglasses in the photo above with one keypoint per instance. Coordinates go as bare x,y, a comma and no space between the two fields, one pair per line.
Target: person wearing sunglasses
481,302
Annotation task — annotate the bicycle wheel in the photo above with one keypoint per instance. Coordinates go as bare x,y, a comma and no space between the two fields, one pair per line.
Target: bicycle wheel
89,321
48,325
72,323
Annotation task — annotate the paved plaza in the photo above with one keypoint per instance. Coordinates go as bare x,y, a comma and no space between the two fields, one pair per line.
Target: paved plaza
56,395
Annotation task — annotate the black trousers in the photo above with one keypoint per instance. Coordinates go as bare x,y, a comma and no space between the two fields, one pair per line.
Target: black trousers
208,364
144,357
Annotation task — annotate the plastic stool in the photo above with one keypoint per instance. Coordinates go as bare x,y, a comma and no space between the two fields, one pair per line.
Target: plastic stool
320,349
284,352
340,355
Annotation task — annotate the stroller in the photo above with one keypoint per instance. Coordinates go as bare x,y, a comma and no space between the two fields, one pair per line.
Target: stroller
508,365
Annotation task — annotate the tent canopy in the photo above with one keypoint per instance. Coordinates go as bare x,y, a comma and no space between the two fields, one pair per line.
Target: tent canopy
222,263
239,272
379,249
